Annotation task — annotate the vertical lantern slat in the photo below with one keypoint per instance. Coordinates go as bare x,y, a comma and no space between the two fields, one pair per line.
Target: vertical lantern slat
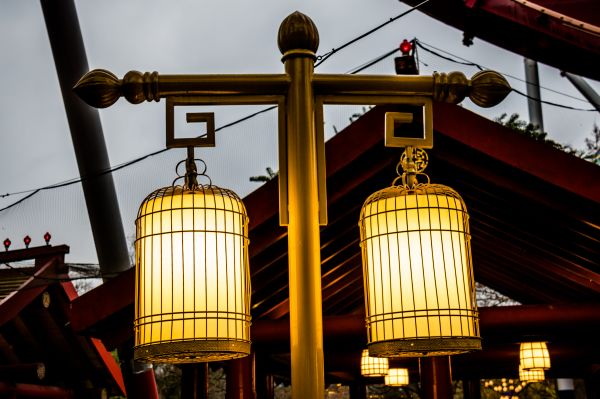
192,278
417,266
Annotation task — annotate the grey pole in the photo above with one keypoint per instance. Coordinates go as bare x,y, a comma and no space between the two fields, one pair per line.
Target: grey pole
88,140
584,88
533,91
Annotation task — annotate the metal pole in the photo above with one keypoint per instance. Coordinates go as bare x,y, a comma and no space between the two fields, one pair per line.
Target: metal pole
88,140
533,91
298,40
584,88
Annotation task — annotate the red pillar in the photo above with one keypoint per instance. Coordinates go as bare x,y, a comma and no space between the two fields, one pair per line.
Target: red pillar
240,378
436,377
194,381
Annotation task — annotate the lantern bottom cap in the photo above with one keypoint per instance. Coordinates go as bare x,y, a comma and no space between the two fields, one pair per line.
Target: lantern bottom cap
192,351
421,347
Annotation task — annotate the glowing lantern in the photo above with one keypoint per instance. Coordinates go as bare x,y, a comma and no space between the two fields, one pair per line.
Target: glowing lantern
373,366
533,375
534,355
418,273
397,377
192,291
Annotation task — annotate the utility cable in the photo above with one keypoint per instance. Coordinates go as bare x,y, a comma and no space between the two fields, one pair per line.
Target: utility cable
322,58
464,61
425,46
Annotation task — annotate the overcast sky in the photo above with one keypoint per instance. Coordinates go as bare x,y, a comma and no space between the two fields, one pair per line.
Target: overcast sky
221,36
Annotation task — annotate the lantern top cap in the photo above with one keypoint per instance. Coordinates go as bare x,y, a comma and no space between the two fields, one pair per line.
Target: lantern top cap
298,32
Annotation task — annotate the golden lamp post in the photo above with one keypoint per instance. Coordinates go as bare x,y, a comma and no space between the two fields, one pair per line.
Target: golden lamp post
300,95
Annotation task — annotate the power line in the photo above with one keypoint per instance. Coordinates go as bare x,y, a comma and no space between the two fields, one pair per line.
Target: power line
428,47
425,46
322,58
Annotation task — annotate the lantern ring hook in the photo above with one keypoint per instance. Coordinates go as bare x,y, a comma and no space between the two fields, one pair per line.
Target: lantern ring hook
200,173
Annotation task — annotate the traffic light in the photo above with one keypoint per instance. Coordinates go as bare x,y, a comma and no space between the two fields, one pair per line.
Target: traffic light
407,63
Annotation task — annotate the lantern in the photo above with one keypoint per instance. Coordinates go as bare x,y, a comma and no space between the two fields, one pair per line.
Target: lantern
192,286
397,377
373,366
534,355
419,288
533,375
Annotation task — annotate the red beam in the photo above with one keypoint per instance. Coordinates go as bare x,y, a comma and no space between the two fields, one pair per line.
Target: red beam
535,158
33,253
104,301
544,320
35,391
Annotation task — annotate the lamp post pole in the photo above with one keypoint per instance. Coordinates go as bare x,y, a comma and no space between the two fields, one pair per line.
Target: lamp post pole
300,95
304,251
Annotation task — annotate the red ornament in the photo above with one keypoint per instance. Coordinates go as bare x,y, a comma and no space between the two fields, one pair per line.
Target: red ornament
47,238
405,47
27,241
7,244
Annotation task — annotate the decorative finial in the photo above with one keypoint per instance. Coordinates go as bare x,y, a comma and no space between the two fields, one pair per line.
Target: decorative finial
7,244
488,88
47,238
99,88
27,241
298,32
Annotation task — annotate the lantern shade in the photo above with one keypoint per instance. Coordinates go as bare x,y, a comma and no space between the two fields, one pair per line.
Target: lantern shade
532,375
373,366
418,274
534,355
397,377
192,285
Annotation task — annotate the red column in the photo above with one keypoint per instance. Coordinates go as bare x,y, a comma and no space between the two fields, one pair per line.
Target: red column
240,378
194,381
436,377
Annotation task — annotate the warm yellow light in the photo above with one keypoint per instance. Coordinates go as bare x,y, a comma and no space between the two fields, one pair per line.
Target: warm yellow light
397,377
532,375
373,366
418,274
192,291
534,355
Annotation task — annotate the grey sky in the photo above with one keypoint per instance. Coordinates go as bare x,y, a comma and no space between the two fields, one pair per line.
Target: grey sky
224,36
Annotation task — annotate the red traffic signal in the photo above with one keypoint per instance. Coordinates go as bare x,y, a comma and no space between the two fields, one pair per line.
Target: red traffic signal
406,47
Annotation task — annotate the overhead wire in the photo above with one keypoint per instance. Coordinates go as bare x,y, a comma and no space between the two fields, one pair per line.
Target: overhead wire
429,48
320,59
32,192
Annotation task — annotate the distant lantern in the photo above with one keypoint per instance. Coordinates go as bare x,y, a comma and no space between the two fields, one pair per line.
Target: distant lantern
373,366
534,355
192,280
418,273
397,377
533,375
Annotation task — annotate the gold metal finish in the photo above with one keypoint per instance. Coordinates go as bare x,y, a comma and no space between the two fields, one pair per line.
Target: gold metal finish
304,255
100,88
488,88
298,33
393,118
207,140
300,96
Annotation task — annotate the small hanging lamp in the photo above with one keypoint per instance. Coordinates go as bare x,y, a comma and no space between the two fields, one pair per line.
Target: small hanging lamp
534,355
397,377
192,285
417,267
373,366
532,375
